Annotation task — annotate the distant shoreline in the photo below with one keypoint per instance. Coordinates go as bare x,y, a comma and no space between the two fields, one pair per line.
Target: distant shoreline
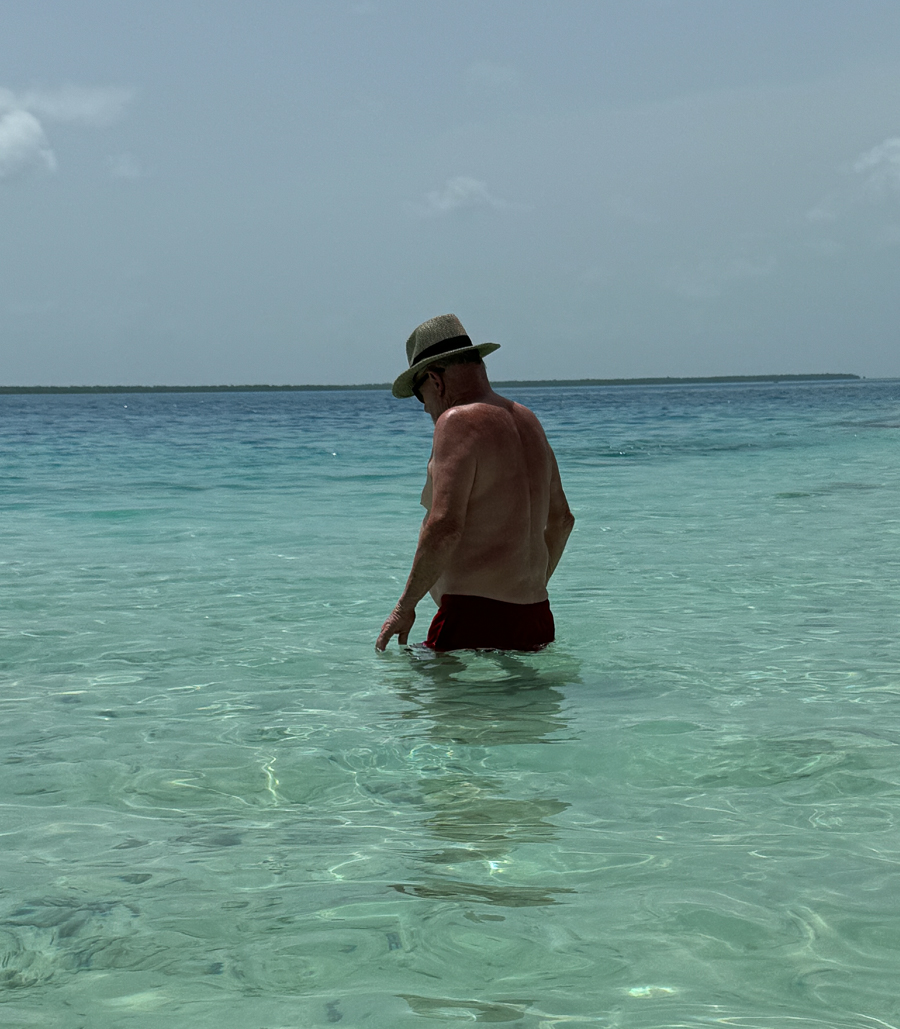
532,383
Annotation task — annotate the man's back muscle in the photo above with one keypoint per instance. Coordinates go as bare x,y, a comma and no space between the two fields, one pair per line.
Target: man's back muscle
491,471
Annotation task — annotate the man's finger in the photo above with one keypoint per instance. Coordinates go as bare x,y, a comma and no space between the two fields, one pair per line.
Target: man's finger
397,625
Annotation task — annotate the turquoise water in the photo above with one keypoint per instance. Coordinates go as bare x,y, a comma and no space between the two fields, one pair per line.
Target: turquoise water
220,808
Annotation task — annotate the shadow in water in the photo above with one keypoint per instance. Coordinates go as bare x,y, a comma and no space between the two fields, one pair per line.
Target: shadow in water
471,707
487,699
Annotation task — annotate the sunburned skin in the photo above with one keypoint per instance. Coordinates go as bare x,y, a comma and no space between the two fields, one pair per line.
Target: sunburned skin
502,553
497,518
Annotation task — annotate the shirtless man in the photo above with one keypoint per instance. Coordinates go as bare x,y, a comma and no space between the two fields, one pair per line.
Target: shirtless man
497,519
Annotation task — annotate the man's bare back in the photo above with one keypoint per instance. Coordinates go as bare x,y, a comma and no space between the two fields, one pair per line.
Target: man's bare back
502,553
497,519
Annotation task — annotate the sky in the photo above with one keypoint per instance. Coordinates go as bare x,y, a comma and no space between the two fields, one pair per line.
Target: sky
279,191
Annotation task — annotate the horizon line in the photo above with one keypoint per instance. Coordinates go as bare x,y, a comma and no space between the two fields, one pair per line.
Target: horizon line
505,383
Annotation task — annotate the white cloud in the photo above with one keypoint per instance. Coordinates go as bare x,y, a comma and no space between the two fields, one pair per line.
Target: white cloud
880,166
871,176
23,141
23,144
79,105
458,194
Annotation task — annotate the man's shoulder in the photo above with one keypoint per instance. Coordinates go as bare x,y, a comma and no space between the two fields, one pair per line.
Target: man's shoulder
485,410
473,420
488,427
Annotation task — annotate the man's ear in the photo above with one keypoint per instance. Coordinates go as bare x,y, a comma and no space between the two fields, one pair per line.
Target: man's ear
439,385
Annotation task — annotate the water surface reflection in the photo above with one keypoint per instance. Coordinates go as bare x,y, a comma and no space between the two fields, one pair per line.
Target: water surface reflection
479,809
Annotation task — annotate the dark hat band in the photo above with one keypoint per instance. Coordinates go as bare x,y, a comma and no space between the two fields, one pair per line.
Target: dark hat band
444,347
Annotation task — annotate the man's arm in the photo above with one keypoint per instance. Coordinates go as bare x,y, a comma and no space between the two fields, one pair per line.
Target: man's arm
453,474
560,520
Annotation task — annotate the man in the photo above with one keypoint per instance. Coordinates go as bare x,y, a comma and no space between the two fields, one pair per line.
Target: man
497,519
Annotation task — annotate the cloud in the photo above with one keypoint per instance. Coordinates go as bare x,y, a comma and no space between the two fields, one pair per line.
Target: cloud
880,167
458,194
78,105
23,144
871,177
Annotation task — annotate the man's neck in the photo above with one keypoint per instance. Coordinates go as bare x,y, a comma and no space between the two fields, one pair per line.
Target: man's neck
467,384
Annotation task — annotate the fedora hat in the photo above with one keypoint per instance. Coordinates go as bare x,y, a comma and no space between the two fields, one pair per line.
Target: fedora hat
443,336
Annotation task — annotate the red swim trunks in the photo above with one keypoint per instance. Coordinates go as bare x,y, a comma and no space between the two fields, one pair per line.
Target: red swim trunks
476,623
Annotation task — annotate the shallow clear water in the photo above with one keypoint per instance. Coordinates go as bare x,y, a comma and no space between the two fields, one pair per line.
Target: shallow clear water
220,808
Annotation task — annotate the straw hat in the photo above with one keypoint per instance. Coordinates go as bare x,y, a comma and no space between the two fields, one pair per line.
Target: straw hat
443,336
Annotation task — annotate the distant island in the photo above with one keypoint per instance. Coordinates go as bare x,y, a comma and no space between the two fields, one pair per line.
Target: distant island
506,383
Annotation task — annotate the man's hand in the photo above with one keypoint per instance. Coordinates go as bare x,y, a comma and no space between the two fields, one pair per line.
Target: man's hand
398,624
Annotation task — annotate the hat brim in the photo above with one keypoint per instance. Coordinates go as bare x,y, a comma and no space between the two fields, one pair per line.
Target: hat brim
403,383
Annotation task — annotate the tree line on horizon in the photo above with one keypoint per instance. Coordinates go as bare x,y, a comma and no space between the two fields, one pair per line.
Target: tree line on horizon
264,388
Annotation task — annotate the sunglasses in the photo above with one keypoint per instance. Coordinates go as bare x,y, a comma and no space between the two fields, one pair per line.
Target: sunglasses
420,379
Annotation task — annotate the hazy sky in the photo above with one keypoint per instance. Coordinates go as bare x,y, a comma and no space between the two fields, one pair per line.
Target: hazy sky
252,191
